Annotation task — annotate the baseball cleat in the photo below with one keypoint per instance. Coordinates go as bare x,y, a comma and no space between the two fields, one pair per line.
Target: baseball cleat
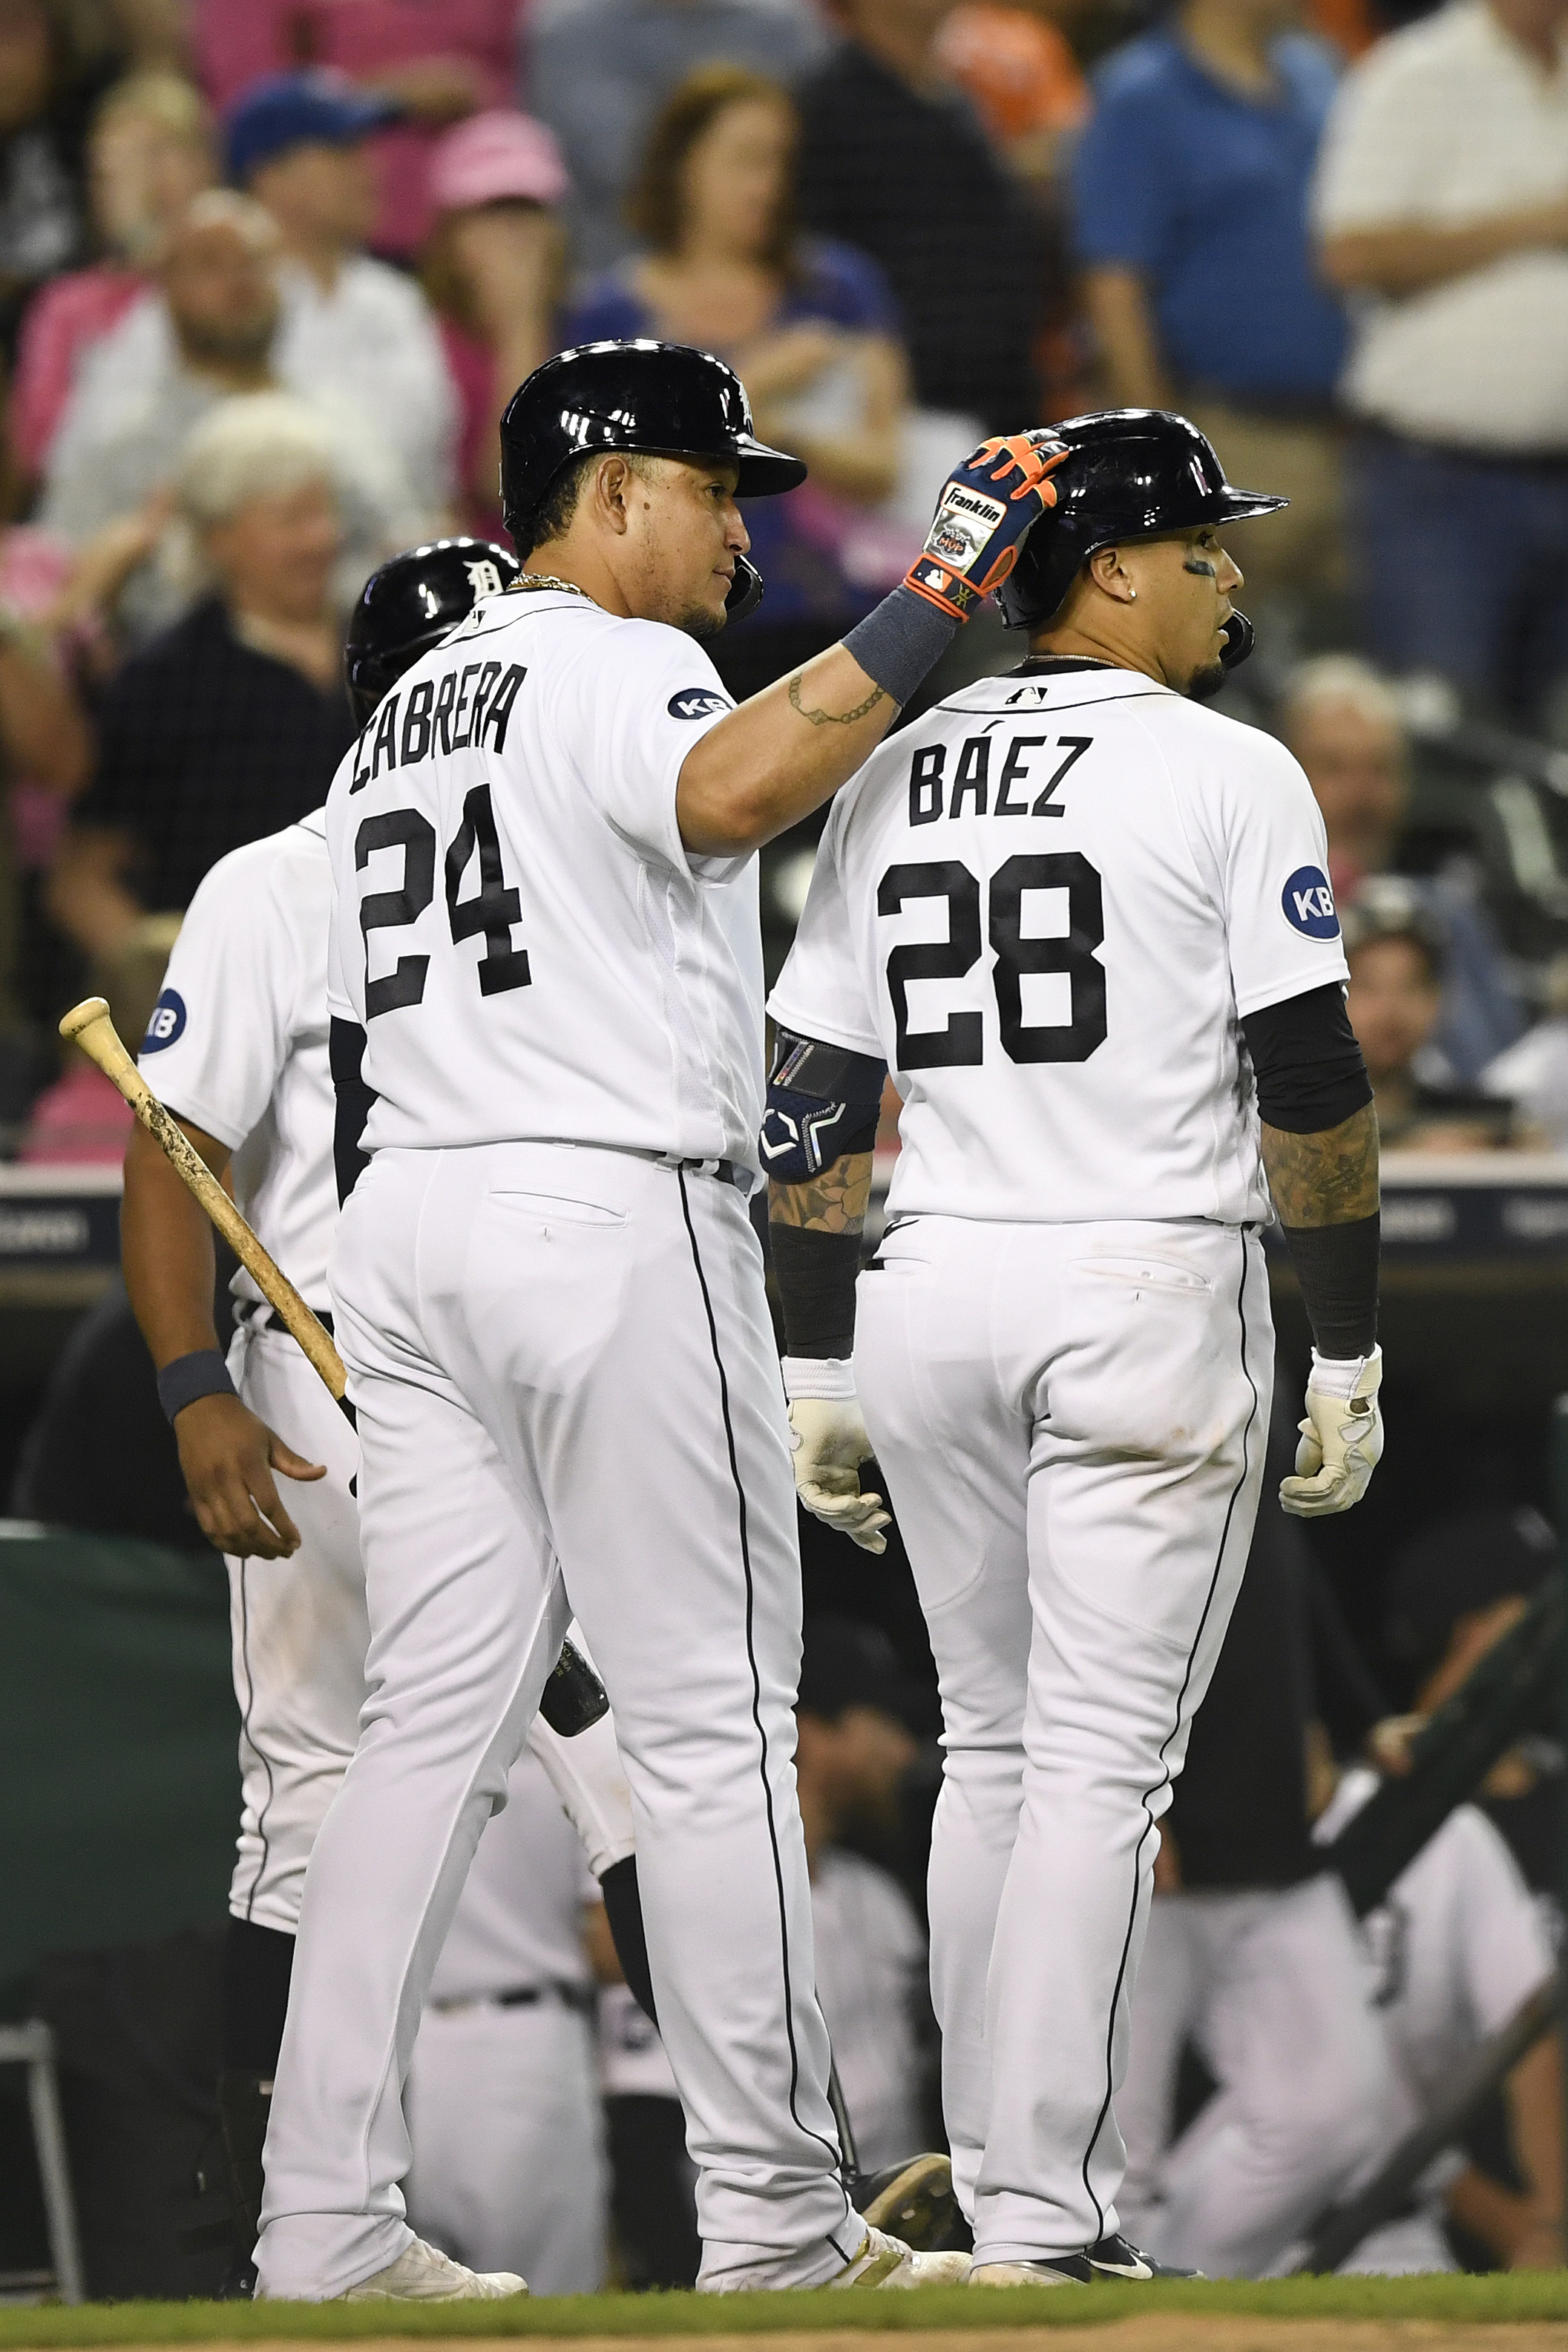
888,2261
423,2273
913,2200
1114,2257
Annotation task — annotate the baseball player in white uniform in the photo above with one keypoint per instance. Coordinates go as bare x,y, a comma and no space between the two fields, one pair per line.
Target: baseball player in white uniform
504,2110
550,1299
1458,1945
238,1048
1087,926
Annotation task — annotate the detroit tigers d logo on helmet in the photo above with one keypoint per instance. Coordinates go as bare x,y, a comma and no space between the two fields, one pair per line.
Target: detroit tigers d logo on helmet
483,577
411,604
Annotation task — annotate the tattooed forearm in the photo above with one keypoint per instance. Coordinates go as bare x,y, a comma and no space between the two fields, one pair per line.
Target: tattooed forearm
1328,1179
832,718
833,1203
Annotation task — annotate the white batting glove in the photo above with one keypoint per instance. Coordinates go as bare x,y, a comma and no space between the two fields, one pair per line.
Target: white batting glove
830,1443
1342,1437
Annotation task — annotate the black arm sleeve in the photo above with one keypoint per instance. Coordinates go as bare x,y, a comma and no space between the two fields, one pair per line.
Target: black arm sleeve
1310,1072
1308,1064
346,1052
824,1103
816,1276
1311,1078
1336,1267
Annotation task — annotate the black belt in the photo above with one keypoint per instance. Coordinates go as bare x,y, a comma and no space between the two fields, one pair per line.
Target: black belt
724,1171
577,1998
269,1319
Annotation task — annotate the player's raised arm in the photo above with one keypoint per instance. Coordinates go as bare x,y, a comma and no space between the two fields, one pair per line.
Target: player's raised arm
1320,1150
783,752
621,469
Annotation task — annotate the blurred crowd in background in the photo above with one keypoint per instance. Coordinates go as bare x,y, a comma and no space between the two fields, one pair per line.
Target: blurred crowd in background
270,270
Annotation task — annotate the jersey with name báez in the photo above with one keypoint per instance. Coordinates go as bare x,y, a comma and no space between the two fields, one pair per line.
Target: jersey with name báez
1047,904
237,1042
516,926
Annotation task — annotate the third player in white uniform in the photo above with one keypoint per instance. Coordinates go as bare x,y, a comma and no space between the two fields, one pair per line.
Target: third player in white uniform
1063,907
238,1048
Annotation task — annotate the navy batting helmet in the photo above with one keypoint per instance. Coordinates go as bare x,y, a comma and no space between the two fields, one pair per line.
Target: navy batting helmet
1134,473
664,399
411,604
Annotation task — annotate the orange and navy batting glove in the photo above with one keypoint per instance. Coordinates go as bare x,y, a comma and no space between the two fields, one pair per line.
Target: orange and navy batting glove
986,508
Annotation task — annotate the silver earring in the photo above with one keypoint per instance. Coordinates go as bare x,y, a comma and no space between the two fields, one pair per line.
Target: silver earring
1132,595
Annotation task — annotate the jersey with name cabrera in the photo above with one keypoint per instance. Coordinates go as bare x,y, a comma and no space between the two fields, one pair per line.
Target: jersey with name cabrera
237,1042
1049,905
517,924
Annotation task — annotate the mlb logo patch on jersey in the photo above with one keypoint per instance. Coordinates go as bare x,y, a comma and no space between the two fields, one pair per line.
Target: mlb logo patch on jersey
1309,906
696,702
167,1021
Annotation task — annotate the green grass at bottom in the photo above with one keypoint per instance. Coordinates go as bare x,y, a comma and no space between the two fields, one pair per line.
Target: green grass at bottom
1524,2296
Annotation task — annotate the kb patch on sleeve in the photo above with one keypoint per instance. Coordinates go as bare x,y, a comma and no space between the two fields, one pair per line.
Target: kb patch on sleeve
1309,906
167,1021
696,702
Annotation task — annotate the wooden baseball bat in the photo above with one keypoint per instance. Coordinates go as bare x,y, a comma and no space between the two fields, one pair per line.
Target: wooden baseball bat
89,1026
574,1696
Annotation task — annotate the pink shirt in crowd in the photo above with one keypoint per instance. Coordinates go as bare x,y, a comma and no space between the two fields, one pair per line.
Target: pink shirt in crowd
238,40
82,1120
61,324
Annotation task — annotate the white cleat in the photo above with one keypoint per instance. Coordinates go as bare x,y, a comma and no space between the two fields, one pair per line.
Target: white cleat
888,2261
1112,2257
423,2273
1021,2274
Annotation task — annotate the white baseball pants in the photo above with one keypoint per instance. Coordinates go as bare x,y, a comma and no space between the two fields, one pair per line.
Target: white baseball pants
1071,1419
1276,1989
564,1372
509,2171
300,1634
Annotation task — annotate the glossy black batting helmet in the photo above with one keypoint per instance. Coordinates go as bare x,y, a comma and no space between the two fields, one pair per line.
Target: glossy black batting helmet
664,399
1134,473
408,606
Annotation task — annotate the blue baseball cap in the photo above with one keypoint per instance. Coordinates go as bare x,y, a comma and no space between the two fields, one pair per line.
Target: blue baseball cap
297,109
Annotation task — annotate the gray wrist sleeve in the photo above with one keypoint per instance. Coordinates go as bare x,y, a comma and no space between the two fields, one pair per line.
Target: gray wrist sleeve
900,641
201,1373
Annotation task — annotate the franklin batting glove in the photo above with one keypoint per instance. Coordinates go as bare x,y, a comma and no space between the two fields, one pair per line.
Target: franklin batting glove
986,510
830,1442
1342,1438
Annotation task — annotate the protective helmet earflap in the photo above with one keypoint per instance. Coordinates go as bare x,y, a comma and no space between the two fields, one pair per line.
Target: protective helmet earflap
745,593
1239,639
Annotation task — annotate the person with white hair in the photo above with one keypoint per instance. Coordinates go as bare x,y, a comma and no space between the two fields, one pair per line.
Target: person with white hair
208,332
1344,722
230,724
148,152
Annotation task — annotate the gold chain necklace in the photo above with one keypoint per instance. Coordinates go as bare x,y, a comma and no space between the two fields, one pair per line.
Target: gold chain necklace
527,580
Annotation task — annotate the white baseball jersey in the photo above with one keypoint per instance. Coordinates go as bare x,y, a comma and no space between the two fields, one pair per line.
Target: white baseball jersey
517,925
1047,904
237,1042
